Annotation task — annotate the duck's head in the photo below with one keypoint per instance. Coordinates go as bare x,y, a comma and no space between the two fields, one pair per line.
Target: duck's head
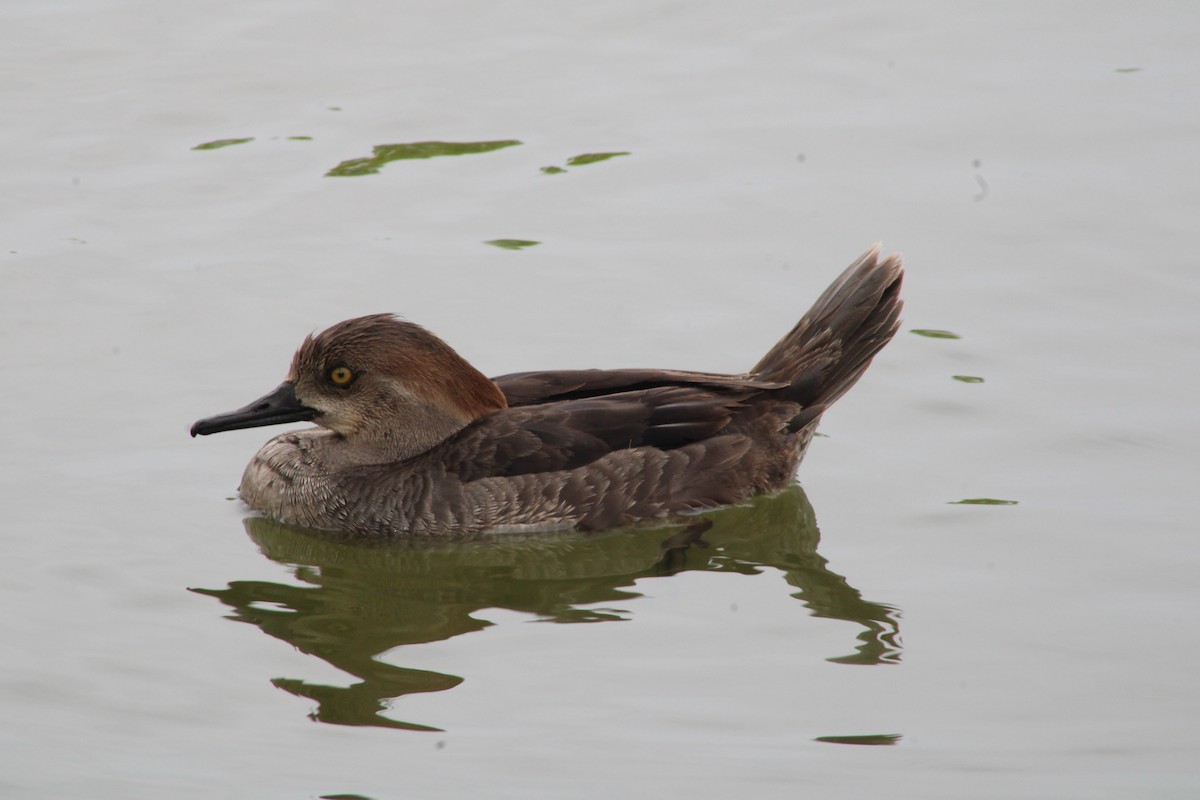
384,384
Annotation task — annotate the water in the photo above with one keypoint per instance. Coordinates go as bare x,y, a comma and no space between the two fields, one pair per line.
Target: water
1035,166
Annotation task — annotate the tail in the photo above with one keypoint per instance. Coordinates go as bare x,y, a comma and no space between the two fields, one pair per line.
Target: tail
832,345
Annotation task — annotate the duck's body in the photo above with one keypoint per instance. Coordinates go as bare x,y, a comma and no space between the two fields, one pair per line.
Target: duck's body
415,441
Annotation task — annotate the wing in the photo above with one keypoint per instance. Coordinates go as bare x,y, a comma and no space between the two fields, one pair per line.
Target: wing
553,436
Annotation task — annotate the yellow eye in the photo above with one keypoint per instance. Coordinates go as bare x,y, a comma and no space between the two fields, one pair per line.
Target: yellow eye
341,376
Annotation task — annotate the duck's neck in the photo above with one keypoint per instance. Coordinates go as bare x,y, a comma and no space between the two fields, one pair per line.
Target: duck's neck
398,436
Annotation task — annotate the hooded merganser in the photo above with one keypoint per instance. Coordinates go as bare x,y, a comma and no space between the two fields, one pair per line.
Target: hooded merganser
414,441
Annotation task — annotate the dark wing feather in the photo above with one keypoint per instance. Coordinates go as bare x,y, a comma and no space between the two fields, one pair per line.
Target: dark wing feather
563,435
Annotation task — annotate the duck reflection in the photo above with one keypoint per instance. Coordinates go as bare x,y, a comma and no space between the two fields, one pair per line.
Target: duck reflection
357,601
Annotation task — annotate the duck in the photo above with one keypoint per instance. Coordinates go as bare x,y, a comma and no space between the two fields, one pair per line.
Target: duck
411,440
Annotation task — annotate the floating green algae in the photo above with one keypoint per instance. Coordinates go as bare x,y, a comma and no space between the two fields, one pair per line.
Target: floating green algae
583,160
512,244
968,378
217,144
935,334
592,158
384,153
982,501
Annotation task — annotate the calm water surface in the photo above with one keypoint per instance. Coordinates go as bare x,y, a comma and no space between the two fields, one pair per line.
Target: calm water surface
190,190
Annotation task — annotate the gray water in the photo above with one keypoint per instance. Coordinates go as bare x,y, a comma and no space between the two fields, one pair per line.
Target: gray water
866,634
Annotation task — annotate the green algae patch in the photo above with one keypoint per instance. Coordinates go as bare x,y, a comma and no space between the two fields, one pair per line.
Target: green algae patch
982,501
217,144
512,244
386,153
967,378
931,333
583,160
592,158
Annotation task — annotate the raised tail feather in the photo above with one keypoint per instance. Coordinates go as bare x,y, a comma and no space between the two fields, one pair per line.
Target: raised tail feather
831,346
